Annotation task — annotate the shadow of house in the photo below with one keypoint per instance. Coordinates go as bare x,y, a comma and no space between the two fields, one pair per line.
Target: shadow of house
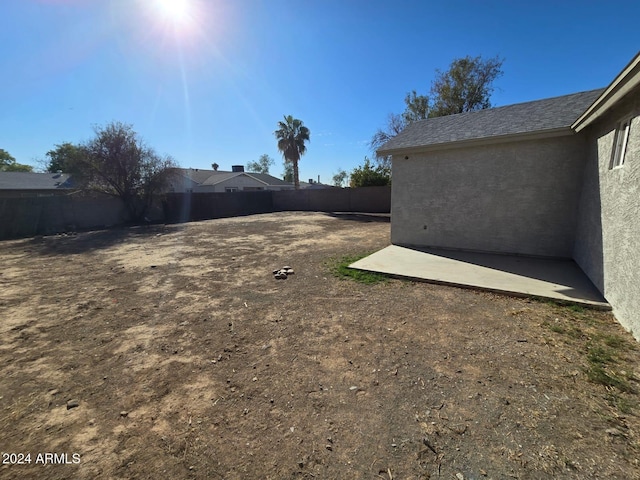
557,178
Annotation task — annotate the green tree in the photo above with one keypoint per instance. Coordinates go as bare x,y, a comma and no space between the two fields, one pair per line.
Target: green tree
262,165
340,178
63,158
287,175
117,162
416,107
292,135
395,124
465,87
369,176
9,164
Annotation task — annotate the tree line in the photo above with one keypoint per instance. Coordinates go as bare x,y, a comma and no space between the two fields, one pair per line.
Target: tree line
8,163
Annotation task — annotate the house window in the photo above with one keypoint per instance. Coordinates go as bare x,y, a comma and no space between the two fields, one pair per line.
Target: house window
620,143
230,189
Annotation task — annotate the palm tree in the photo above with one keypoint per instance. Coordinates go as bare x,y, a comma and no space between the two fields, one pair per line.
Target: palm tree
291,135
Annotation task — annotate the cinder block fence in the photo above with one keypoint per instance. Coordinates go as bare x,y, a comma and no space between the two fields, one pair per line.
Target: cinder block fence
30,216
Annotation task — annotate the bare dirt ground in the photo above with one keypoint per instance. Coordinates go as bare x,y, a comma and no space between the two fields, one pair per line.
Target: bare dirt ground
187,359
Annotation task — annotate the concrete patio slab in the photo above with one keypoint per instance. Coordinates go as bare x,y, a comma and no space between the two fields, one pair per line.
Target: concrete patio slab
559,280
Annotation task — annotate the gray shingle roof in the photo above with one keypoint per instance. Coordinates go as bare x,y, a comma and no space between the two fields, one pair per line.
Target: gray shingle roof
269,179
196,174
34,181
539,116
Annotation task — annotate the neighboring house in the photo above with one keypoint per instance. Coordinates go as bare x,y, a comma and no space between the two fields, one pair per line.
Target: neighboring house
27,184
558,177
313,185
202,181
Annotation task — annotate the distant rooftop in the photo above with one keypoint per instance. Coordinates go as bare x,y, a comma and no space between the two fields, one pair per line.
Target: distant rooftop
211,177
34,181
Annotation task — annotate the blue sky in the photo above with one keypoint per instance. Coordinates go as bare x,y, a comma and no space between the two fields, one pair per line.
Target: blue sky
210,85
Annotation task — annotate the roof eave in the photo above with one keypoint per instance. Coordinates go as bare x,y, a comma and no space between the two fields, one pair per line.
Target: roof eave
476,142
626,81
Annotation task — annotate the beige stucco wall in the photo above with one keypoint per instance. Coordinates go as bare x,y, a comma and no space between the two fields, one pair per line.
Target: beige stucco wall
607,244
517,197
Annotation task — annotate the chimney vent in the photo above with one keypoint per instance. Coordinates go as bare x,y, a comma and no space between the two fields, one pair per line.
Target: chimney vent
237,168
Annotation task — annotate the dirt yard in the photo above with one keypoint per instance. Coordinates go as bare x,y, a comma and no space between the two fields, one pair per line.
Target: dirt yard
171,352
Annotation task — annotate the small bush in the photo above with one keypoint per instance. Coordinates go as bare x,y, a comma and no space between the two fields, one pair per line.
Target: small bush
597,374
615,341
599,355
340,268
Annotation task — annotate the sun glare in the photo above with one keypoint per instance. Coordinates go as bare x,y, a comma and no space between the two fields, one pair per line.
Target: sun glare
177,12
170,26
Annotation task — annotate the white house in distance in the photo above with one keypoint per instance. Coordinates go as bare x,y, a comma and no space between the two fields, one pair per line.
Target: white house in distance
558,177
196,180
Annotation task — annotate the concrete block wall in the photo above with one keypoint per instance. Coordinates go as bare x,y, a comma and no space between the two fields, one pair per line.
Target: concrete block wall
518,197
201,206
24,217
29,216
363,199
186,207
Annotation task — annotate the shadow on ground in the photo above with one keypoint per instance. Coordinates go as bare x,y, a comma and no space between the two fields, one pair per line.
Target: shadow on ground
82,242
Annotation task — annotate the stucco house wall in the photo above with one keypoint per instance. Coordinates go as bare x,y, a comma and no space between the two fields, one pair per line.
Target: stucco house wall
608,228
515,197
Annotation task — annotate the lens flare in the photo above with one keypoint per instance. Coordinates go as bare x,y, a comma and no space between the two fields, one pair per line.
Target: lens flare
177,12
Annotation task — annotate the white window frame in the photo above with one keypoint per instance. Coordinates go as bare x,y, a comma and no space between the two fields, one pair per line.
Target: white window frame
620,142
230,189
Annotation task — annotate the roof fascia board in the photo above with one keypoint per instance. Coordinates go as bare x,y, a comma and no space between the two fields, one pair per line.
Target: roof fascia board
626,81
477,142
